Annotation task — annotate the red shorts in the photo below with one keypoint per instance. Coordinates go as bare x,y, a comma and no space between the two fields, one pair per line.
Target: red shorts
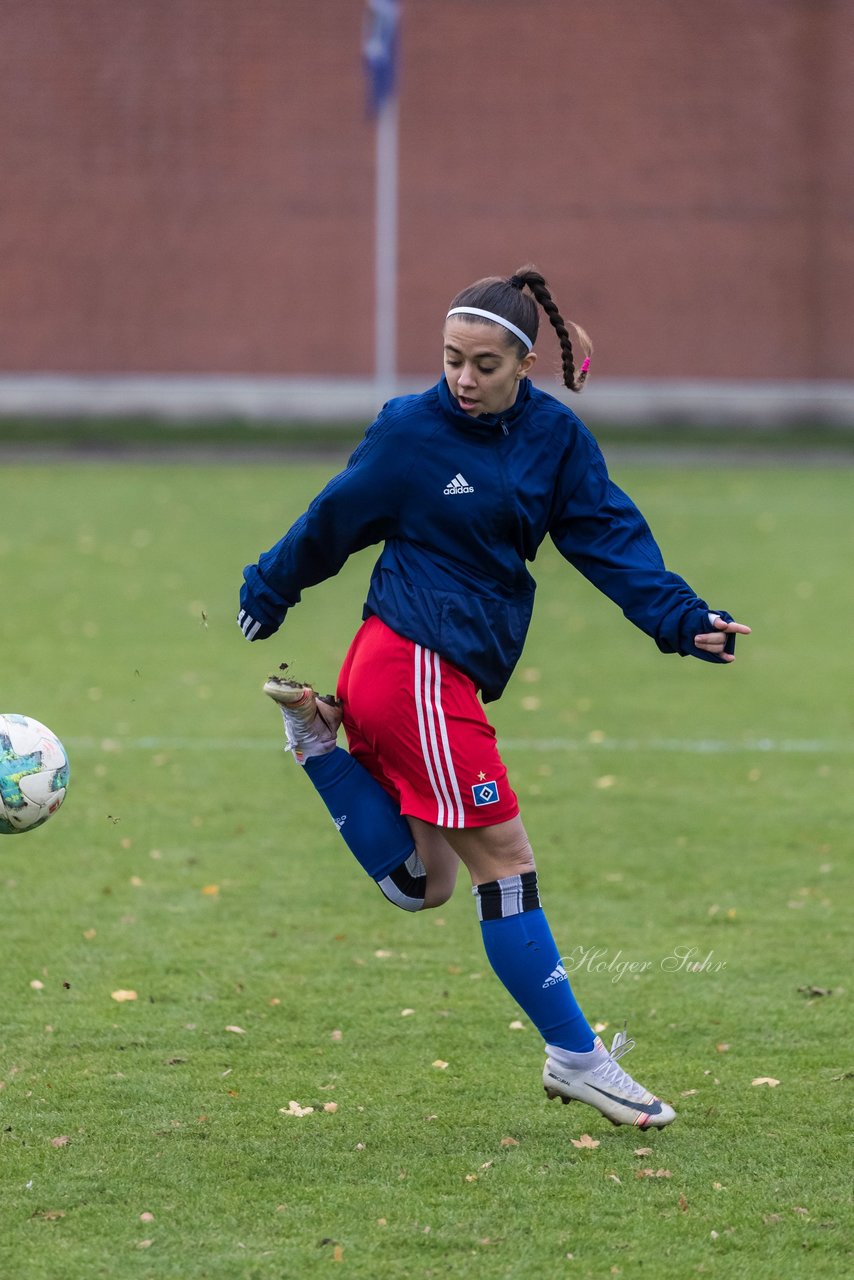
415,722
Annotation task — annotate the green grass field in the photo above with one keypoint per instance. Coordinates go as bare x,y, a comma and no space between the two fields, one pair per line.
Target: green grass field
682,814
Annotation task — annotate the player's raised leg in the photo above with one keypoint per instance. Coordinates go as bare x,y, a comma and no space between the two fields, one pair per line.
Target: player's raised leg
414,869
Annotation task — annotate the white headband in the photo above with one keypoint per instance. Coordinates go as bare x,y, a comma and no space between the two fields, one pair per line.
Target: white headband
490,315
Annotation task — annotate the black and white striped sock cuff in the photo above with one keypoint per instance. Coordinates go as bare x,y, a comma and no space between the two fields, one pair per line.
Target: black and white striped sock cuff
510,896
406,886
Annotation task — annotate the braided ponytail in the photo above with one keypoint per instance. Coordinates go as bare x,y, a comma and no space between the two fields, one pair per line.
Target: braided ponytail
505,296
536,284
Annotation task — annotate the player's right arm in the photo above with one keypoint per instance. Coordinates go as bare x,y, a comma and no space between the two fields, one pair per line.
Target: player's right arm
356,509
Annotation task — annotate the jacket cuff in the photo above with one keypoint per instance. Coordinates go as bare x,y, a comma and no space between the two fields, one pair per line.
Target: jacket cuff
260,600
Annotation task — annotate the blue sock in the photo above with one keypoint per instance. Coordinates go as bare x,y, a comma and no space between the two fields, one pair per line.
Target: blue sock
368,820
520,947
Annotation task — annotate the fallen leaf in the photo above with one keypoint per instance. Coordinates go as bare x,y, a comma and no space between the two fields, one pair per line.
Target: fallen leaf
338,1254
683,1204
210,890
653,1173
643,1151
330,1106
508,1142
769,1080
713,1235
517,1026
37,985
146,1217
722,1048
406,1013
799,1209
471,1177
382,1222
360,1146
62,1141
585,1142
613,1178
238,1031
488,1164
439,1064
49,1215
719,1186
771,1218
689,1093
599,1027
89,934
135,880
145,1244
294,1109
383,955
122,996
336,1035
816,991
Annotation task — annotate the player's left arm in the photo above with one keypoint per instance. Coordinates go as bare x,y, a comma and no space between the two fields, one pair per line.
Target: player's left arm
602,533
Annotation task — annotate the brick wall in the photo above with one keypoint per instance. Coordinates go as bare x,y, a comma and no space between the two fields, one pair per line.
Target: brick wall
187,185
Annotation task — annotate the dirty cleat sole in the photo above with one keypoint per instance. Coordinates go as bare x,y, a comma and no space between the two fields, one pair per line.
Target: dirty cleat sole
311,721
288,693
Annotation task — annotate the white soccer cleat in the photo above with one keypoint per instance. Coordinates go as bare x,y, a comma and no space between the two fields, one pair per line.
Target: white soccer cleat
607,1087
311,722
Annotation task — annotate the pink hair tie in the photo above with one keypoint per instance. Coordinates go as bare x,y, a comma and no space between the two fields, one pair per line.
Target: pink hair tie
586,365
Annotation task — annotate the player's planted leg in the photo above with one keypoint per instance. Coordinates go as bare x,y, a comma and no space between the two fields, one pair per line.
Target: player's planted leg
522,951
525,958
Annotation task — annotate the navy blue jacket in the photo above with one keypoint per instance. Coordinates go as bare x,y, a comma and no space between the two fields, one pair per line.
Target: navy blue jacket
462,504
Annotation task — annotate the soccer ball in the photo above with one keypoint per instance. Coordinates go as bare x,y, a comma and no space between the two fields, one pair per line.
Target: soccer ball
33,774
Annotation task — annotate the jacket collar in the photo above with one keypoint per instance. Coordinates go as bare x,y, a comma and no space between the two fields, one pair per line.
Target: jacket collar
485,421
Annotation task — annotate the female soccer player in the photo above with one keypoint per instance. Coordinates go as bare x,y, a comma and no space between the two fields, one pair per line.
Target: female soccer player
462,484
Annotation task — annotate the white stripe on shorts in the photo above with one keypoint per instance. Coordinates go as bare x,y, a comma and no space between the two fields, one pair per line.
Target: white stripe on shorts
446,746
435,749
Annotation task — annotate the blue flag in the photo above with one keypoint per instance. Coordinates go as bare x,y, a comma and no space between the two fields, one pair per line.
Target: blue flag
379,51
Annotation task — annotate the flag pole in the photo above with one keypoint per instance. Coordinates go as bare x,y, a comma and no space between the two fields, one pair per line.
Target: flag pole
385,246
379,53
